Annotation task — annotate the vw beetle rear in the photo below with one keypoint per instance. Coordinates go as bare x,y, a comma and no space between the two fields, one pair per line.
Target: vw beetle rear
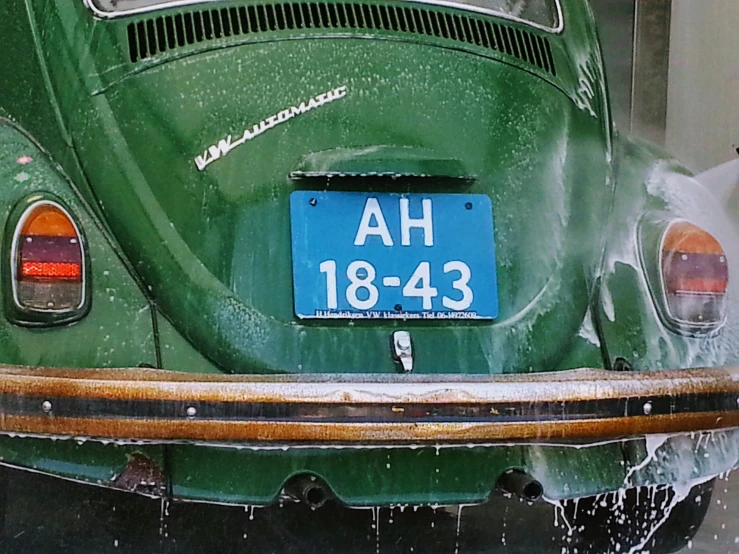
387,252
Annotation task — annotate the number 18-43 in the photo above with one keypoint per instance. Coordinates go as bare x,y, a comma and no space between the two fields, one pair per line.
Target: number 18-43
362,293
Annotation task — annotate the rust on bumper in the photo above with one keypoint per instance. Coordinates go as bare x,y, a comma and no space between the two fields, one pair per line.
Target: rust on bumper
170,406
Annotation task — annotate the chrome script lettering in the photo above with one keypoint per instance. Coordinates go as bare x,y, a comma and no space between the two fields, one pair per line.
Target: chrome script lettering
224,146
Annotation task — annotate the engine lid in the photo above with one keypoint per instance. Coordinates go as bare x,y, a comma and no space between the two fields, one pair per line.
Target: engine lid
194,163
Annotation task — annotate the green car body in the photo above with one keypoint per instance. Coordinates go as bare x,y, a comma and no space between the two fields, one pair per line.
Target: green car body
134,124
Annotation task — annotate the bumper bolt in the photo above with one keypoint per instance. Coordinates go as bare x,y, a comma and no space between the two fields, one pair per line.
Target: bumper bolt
191,412
647,408
46,407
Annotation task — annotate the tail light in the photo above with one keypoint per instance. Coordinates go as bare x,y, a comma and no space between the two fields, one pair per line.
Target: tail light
47,264
695,277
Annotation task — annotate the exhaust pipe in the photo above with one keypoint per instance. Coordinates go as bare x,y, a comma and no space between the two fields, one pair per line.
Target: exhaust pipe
521,484
308,490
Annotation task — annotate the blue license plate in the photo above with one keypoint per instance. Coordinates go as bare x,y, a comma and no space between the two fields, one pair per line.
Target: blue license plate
390,256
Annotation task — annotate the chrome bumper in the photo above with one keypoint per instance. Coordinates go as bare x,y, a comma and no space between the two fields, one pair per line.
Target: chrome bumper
165,406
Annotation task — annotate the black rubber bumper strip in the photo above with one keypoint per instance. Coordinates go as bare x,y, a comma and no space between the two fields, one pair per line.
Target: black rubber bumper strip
171,406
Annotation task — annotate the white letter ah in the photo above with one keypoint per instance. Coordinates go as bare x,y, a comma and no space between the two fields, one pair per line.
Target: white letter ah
372,209
425,223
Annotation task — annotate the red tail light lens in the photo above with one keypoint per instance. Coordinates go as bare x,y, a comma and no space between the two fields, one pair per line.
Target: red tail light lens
48,261
695,275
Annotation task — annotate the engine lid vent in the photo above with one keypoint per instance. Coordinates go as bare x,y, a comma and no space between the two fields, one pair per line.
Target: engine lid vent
147,38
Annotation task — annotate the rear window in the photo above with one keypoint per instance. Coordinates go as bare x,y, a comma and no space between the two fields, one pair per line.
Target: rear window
541,13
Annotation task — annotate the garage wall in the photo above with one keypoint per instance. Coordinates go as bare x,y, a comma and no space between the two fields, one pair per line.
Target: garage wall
616,25
703,85
635,35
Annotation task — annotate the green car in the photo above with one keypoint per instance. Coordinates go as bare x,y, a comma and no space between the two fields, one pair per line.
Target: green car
374,251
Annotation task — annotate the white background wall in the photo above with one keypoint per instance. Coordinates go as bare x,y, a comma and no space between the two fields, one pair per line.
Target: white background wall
703,87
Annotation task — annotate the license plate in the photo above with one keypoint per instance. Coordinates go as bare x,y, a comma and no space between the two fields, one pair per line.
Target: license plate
393,256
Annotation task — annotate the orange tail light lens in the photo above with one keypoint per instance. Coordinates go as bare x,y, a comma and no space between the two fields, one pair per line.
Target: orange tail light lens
695,275
48,261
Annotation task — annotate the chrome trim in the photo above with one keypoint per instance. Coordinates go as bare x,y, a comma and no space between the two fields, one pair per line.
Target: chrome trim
346,388
180,3
152,405
14,254
403,350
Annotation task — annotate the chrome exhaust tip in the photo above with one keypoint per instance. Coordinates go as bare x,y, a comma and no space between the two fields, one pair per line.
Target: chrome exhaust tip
309,490
520,484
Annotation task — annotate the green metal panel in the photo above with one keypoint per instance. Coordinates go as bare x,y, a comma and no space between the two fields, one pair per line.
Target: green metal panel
681,458
137,170
223,234
369,476
79,460
359,476
117,332
212,232
177,354
655,188
38,112
372,476
211,247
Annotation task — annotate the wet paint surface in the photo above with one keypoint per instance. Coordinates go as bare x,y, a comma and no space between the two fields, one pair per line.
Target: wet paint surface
130,132
181,106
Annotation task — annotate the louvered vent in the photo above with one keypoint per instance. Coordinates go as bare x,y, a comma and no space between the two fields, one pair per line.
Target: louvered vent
154,36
